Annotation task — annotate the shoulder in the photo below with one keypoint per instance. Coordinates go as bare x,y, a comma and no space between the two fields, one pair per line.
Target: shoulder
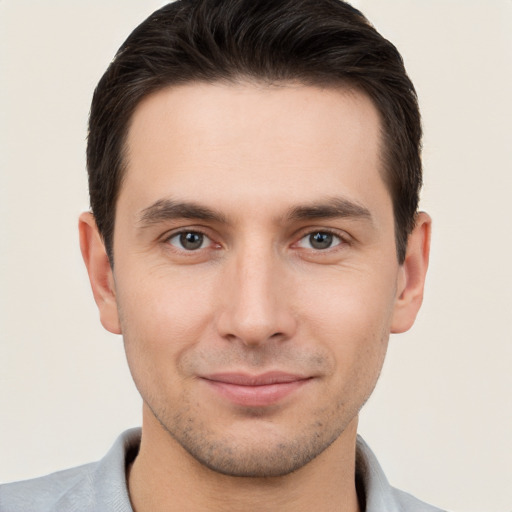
44,493
409,503
375,490
94,487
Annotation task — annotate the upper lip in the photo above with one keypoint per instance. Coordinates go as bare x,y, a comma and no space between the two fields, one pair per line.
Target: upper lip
263,379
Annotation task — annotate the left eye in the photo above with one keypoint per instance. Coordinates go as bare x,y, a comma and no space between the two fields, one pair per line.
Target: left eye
319,240
190,240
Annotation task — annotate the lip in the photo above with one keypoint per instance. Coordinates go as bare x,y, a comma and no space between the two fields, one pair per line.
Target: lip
255,390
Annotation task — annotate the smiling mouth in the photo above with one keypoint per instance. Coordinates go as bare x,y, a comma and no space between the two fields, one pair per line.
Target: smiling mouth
255,390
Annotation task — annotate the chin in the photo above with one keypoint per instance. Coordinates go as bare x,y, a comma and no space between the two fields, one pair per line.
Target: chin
258,453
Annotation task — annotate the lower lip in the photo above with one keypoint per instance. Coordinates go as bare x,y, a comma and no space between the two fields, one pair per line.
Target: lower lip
256,396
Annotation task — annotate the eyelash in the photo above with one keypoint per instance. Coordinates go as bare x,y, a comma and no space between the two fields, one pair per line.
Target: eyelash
342,240
168,239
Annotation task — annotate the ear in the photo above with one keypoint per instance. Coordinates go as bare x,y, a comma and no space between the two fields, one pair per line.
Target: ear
100,272
411,280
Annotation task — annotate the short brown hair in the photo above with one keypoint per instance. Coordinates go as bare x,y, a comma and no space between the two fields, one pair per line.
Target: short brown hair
314,42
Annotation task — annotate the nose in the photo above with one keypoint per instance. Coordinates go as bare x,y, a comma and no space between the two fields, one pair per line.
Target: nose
256,304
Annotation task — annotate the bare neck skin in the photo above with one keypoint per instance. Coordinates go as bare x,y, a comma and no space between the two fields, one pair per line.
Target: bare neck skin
165,477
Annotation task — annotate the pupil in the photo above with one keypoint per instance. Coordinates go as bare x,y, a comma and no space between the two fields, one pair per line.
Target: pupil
191,241
321,240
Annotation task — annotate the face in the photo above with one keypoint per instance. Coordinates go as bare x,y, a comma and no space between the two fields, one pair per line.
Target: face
255,280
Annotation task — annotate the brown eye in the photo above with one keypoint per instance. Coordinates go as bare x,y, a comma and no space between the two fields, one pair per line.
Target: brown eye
189,240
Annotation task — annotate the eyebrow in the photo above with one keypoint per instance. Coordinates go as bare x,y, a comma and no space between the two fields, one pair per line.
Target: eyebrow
335,207
167,209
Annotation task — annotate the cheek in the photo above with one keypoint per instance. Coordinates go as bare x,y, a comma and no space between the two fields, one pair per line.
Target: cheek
165,301
162,317
351,315
355,333
348,298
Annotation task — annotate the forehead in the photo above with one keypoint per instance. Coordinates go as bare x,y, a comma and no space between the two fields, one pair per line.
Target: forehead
271,142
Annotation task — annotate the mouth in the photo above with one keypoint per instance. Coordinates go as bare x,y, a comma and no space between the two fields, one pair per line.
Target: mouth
255,390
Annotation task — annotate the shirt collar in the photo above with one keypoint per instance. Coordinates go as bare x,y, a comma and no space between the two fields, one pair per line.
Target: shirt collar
109,478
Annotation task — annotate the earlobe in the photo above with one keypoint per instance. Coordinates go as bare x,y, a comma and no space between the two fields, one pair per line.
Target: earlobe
100,272
412,275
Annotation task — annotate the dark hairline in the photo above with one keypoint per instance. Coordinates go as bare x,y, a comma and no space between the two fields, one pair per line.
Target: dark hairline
323,43
341,85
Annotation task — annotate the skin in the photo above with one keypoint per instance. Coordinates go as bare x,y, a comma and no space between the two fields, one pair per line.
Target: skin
256,171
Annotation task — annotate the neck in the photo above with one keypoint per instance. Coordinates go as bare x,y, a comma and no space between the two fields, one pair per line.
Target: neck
165,477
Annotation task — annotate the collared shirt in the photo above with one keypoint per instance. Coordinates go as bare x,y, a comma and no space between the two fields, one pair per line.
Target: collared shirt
101,486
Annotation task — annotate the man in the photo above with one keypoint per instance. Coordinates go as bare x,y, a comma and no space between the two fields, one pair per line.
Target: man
254,170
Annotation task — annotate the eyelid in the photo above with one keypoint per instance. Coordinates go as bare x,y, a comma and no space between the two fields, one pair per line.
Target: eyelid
203,239
166,237
344,238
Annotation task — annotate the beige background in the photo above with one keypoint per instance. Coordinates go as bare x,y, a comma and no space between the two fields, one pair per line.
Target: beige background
441,417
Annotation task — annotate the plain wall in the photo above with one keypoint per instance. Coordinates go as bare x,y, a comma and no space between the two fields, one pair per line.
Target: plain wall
440,420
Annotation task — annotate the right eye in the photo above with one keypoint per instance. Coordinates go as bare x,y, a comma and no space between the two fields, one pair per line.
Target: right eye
189,240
